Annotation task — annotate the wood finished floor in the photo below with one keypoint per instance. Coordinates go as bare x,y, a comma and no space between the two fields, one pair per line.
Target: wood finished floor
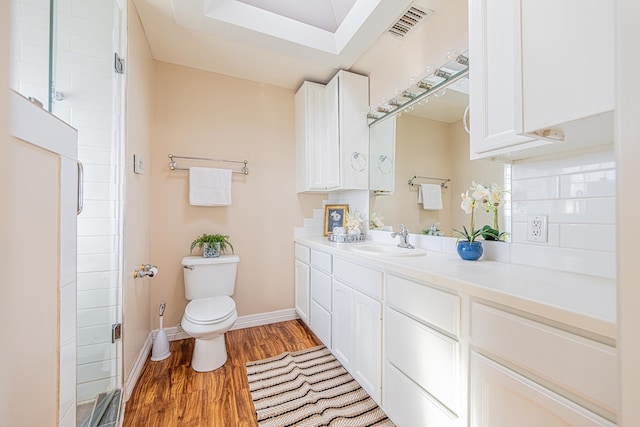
169,393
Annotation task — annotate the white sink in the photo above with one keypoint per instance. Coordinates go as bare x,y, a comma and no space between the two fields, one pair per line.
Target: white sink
387,250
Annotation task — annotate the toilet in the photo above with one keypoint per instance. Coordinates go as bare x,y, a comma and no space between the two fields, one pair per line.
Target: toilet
208,285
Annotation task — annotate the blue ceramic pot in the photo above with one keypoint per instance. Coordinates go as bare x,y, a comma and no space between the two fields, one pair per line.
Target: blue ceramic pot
470,251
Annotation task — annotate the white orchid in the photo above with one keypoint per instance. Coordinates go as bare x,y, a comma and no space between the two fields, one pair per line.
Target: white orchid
480,192
354,220
489,197
468,203
375,221
495,197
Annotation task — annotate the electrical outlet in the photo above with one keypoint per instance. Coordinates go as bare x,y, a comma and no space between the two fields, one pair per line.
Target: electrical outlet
537,228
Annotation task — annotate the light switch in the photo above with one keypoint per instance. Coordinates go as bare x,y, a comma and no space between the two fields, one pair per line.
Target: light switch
138,164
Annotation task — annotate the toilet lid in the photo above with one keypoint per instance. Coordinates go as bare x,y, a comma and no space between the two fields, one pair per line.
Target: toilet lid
205,311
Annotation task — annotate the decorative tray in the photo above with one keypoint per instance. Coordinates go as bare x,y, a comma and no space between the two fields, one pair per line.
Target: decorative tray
346,238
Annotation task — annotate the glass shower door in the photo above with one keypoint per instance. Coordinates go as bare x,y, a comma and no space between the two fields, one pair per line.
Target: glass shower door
87,92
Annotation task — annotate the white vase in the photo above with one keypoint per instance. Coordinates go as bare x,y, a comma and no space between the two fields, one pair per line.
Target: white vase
211,250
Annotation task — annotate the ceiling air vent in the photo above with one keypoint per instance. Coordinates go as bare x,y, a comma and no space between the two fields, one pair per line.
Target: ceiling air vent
408,21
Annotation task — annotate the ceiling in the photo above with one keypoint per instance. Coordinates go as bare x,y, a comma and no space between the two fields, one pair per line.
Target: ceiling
279,42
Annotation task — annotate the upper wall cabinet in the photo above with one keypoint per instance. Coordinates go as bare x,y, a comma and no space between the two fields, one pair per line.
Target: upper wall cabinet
492,55
332,136
347,99
541,76
317,166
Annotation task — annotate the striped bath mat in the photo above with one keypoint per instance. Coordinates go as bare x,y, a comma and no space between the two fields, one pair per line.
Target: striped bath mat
310,388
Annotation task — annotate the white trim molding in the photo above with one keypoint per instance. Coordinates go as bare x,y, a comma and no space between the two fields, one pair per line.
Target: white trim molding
134,375
260,319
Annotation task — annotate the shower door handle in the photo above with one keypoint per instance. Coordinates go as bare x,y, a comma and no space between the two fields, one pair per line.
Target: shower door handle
80,204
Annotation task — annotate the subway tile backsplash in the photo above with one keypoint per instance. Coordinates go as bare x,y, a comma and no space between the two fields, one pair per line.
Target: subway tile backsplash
578,196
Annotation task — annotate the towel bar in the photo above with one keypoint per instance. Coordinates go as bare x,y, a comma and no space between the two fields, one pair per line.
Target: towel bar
174,166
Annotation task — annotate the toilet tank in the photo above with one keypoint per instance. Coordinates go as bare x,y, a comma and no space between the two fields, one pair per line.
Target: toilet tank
209,277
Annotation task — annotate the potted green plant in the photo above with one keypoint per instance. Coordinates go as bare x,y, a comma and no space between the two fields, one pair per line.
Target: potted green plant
212,245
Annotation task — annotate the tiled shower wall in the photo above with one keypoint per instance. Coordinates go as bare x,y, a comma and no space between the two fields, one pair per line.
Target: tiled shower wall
30,48
87,33
578,196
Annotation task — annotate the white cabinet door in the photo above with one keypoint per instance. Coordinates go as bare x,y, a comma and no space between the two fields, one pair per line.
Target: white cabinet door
567,59
342,323
492,29
503,398
367,339
382,138
316,160
320,323
347,98
302,290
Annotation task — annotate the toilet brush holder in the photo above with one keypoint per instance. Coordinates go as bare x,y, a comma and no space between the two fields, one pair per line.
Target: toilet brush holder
160,349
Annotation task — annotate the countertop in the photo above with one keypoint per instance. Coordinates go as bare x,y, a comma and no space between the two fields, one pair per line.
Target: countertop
587,303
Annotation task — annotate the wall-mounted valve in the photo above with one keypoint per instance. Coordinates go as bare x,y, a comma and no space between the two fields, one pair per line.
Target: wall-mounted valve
145,270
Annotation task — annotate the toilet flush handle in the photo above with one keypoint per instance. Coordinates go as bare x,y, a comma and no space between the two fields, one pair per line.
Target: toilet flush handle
190,267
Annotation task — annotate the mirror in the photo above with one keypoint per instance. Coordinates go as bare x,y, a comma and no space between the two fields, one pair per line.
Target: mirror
428,141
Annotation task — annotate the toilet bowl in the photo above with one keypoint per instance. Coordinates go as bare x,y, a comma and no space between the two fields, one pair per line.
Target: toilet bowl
207,320
209,284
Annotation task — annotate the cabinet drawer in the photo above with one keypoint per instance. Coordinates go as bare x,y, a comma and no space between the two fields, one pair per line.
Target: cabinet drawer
583,367
431,305
321,323
321,261
362,278
321,289
428,357
409,406
502,397
303,253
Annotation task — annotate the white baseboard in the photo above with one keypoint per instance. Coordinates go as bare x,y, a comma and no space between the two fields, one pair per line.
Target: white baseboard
132,379
259,319
175,333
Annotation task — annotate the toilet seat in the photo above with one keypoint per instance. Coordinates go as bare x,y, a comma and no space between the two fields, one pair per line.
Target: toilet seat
208,311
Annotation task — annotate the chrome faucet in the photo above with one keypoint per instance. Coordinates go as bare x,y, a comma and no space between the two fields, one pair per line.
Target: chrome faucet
404,234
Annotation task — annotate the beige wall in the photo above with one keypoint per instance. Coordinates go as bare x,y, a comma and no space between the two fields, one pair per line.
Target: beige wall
199,113
137,232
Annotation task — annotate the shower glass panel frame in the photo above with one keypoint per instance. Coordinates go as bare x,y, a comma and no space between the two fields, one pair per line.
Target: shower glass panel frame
62,54
87,93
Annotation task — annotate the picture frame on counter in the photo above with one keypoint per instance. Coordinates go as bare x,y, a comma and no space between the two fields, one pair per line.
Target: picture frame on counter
334,216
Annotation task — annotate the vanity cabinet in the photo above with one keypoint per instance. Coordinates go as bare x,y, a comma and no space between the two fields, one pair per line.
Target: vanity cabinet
422,375
522,369
302,281
504,398
332,135
357,323
320,305
382,138
542,76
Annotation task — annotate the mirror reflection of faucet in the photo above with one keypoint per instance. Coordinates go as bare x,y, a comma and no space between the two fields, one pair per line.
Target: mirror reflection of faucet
433,230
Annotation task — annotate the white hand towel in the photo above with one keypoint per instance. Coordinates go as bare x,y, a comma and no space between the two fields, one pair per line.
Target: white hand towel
209,187
430,195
